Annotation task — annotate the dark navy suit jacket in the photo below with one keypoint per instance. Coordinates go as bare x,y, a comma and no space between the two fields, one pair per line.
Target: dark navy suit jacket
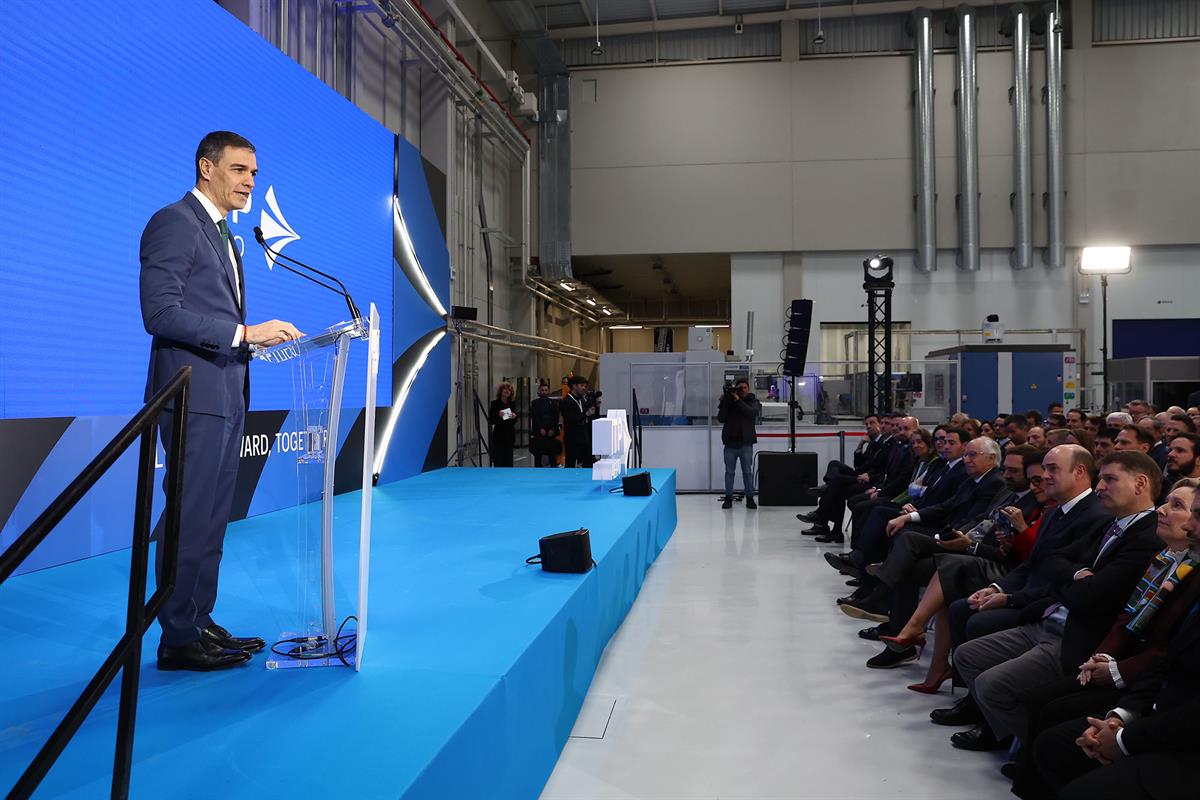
191,307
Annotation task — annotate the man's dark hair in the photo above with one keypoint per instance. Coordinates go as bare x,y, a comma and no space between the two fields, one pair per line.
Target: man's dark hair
1050,408
1019,419
741,381
870,417
1034,416
1142,436
577,380
1136,463
1192,438
1106,432
1097,420
214,144
1034,456
1022,450
1056,420
1185,420
963,436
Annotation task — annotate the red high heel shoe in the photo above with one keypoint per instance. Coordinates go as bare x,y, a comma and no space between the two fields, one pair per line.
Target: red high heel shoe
931,688
900,643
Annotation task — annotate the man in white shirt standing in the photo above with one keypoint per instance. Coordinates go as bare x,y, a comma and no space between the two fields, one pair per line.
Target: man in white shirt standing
193,300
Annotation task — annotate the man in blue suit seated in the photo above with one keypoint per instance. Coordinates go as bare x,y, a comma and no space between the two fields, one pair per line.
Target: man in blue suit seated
193,298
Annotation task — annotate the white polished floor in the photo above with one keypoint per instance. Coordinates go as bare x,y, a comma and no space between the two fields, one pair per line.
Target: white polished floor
736,677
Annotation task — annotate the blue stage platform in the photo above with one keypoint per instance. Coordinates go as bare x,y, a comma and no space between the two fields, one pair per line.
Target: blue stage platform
474,671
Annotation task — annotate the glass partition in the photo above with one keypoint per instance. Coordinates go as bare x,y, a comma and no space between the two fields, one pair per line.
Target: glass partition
829,393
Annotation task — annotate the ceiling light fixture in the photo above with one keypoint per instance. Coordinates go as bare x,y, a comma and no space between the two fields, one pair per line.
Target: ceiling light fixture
590,301
820,37
566,286
626,327
607,311
597,50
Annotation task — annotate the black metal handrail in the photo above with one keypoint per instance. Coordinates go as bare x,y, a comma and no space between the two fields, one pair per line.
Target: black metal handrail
139,614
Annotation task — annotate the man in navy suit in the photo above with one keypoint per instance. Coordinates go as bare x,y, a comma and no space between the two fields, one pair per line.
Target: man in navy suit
193,298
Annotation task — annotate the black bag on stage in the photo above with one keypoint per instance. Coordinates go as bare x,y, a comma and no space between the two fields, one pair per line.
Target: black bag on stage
637,485
569,551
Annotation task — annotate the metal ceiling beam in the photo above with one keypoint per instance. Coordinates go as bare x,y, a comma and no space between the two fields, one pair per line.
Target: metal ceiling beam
587,15
833,9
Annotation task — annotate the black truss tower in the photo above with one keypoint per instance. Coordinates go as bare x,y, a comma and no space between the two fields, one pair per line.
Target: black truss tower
878,283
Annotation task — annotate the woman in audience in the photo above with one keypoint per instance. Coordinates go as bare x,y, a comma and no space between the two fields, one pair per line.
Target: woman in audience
1083,439
1139,636
986,429
503,417
921,444
960,575
972,427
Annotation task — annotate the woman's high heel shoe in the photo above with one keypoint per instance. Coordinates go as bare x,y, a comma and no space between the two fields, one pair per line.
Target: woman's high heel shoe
902,643
931,688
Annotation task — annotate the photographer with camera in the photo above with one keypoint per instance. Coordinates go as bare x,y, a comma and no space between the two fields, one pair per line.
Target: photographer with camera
578,411
737,411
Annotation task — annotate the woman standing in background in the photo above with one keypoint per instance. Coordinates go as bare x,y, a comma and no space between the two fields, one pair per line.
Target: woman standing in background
503,418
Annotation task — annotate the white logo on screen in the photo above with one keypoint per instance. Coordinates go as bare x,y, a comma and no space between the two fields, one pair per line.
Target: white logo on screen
277,233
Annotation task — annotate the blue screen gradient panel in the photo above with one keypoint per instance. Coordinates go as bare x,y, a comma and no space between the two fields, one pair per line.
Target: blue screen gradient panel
103,109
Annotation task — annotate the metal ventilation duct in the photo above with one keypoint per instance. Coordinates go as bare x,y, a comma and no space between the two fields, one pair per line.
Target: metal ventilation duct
963,24
1056,193
921,24
525,25
554,178
1022,205
554,136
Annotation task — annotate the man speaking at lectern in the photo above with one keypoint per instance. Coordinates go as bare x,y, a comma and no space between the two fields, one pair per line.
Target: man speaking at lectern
193,297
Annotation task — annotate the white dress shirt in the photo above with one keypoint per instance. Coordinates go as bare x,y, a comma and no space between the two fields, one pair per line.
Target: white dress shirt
216,216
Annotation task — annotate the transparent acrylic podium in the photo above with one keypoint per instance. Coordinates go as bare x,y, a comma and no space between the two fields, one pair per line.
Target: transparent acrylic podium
318,638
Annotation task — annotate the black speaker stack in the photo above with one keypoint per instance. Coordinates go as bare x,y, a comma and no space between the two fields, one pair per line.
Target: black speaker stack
799,323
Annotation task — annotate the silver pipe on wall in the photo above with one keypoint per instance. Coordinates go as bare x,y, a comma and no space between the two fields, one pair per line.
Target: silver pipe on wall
963,24
1056,194
1022,198
924,162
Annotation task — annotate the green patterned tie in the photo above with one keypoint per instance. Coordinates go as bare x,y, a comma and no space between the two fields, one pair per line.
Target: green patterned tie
227,237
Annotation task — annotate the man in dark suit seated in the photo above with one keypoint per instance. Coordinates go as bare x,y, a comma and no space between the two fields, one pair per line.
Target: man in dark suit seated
1145,747
193,299
911,563
938,484
1140,636
1069,472
1089,582
870,544
896,476
968,505
893,459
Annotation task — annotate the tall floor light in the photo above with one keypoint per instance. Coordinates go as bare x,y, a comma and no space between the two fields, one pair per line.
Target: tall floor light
1105,261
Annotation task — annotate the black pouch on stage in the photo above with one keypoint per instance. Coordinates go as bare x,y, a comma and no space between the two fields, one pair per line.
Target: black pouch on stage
636,485
569,551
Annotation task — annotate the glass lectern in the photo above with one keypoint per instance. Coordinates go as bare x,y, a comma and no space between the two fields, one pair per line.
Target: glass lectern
317,638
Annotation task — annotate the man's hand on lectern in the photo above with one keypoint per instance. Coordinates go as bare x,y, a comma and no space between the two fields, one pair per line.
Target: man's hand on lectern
271,333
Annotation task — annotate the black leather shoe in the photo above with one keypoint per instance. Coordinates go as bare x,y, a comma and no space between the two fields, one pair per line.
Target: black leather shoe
870,634
199,656
854,582
811,517
890,659
727,503
836,537
1009,770
857,596
816,530
843,564
215,634
981,739
964,712
750,503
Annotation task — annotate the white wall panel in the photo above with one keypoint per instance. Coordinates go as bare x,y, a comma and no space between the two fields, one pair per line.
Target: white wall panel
1143,198
726,114
851,205
703,208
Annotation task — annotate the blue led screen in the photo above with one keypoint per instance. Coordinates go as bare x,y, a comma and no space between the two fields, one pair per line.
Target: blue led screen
102,109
